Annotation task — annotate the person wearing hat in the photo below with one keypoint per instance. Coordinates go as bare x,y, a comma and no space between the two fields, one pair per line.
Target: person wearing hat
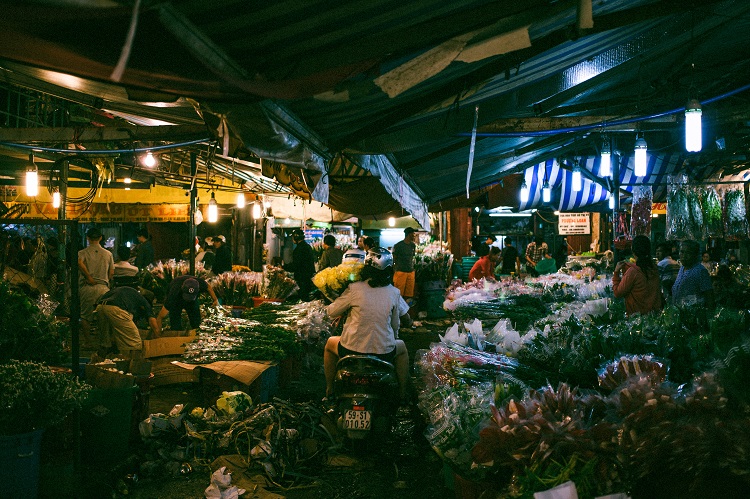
118,312
144,255
97,268
403,264
223,258
207,255
182,294
303,264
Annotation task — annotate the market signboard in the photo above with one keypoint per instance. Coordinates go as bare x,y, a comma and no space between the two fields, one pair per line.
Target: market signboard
573,223
111,212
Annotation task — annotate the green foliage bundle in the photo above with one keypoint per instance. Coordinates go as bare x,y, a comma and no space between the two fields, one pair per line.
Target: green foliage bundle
32,396
25,332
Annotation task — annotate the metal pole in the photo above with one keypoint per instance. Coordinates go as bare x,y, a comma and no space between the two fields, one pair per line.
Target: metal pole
615,211
191,212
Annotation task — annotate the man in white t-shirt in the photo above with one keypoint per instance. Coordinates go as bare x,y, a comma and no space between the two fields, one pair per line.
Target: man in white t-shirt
97,268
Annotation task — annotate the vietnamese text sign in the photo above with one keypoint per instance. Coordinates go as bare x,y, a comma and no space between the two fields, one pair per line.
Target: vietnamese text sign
112,212
573,223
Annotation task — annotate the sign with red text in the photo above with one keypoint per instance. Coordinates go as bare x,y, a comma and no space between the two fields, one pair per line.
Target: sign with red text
573,223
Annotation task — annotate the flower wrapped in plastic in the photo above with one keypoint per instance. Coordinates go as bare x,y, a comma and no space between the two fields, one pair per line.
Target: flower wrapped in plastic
735,214
680,225
433,262
237,288
640,217
334,280
158,276
713,223
277,283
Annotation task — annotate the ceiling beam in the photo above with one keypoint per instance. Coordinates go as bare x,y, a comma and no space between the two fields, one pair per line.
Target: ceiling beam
516,125
77,135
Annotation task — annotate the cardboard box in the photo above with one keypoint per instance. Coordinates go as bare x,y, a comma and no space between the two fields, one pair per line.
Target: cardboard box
167,373
174,345
259,379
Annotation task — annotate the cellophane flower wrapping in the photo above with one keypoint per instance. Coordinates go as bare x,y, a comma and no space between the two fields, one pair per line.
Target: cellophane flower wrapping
158,276
334,280
433,262
713,223
237,288
680,221
640,217
735,213
277,283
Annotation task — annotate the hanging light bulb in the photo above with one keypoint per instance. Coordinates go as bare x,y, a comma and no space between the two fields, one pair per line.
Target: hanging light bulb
240,200
524,192
213,209
641,160
56,199
546,192
127,181
391,222
149,160
267,203
577,180
693,133
611,201
605,167
256,211
32,178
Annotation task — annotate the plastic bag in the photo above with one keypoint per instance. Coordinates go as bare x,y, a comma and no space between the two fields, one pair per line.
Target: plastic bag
679,222
640,217
713,224
614,374
735,214
231,403
452,334
221,486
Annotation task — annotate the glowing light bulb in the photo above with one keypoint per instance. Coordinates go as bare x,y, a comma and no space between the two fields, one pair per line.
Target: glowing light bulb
611,202
693,132
149,160
127,181
32,178
241,200
641,159
256,211
391,222
213,210
546,192
605,167
577,180
524,193
56,199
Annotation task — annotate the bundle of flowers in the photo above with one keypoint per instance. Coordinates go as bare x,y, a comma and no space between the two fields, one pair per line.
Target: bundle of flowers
230,338
159,275
684,215
317,248
277,284
308,319
735,214
713,225
433,262
334,280
237,288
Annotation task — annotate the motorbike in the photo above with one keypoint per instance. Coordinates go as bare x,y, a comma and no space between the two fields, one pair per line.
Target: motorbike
366,393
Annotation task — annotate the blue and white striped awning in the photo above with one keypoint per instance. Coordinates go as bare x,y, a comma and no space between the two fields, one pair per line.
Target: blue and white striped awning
660,167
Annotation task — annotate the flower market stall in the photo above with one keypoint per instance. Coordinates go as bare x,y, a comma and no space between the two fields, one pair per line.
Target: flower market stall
545,382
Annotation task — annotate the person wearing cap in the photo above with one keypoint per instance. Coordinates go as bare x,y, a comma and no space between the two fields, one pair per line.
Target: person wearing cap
118,312
97,268
332,255
223,258
144,255
182,294
403,264
303,264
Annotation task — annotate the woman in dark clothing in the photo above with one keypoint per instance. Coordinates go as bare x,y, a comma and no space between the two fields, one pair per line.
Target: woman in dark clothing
223,256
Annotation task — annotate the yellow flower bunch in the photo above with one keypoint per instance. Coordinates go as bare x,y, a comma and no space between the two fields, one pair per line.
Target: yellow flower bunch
334,280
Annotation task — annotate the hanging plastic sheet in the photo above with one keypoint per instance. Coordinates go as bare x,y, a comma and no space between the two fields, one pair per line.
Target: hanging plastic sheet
735,213
679,213
713,224
640,216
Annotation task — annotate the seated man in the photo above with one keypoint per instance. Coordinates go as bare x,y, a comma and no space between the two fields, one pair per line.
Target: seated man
118,312
485,266
183,295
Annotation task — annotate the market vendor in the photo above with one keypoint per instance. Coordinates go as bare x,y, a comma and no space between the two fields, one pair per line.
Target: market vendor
118,312
639,283
183,295
693,285
535,251
485,266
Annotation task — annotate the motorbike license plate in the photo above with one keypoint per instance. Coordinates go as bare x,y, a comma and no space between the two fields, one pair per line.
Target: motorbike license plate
357,420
